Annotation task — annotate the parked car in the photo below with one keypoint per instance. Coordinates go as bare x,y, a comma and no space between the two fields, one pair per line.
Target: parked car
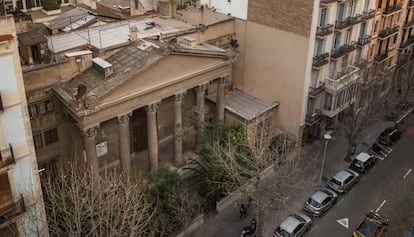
373,225
343,180
294,226
363,162
320,201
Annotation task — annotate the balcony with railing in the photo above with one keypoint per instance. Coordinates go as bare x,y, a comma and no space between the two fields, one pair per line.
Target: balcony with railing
363,40
343,23
344,49
324,30
320,60
11,209
356,19
388,32
409,24
392,9
315,92
6,157
325,2
366,15
407,43
381,57
342,79
314,118
361,63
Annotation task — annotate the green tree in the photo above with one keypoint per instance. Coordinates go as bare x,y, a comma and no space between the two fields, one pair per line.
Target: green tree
174,206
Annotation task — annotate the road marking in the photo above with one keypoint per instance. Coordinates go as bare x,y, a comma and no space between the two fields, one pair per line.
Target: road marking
313,229
344,222
406,174
380,206
340,201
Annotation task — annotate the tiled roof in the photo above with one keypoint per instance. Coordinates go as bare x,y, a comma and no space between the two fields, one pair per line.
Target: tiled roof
127,63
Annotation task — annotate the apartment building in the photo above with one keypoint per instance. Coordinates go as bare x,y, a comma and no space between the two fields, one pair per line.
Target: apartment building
407,37
21,203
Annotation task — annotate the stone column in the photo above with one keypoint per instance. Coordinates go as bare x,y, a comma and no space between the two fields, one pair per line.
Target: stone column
201,116
152,131
220,99
124,142
90,147
178,129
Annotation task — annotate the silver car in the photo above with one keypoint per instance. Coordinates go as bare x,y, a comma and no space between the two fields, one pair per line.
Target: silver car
343,180
320,201
294,226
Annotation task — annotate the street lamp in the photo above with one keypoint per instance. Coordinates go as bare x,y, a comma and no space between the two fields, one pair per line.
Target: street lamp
327,137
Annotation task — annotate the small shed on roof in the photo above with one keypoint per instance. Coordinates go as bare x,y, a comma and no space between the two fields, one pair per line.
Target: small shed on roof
247,110
32,45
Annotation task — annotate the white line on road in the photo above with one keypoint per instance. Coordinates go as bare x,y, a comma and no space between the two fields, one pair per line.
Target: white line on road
406,174
382,204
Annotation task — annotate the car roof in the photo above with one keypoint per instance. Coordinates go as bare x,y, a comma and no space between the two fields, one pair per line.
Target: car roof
342,175
363,157
319,196
290,224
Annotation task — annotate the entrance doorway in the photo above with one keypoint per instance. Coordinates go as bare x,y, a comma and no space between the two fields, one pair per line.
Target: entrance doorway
139,130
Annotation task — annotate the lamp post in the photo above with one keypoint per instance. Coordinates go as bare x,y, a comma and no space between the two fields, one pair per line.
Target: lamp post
327,137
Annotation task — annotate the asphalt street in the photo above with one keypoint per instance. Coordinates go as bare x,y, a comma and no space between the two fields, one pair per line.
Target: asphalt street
372,192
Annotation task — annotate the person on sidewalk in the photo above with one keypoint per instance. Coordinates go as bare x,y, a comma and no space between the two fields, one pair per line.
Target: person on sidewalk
243,211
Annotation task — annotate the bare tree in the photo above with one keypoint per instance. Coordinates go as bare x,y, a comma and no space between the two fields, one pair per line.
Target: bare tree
358,112
405,78
78,203
232,164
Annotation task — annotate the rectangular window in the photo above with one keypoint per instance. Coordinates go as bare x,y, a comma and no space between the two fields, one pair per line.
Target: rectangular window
332,68
49,105
51,136
32,111
371,50
337,41
341,12
323,15
314,79
366,5
37,140
327,104
42,108
376,27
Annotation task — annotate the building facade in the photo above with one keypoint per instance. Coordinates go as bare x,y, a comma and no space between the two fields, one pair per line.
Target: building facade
21,204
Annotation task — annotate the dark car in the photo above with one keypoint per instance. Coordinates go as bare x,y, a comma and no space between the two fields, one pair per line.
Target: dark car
363,162
320,201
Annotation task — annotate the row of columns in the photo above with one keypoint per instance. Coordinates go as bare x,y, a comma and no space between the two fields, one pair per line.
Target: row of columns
89,134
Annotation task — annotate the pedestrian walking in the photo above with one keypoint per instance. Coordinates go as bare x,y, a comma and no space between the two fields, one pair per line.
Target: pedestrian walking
242,211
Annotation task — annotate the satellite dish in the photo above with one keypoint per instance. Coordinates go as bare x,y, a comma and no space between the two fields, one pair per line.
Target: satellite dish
81,91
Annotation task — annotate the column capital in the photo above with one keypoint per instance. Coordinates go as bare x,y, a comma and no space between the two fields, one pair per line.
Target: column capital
152,107
221,80
90,132
179,96
124,118
202,87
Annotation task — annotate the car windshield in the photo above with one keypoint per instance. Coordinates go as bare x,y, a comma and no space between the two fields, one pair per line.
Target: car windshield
327,192
282,232
336,182
313,203
299,218
369,228
358,163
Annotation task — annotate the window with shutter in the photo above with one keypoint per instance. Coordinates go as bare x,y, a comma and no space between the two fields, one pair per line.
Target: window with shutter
6,198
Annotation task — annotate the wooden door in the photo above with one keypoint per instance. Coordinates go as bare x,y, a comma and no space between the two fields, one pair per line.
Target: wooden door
139,130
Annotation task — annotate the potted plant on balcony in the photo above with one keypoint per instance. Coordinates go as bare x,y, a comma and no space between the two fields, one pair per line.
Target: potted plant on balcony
51,7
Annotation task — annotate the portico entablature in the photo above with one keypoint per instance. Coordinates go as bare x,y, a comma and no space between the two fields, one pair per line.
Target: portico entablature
170,76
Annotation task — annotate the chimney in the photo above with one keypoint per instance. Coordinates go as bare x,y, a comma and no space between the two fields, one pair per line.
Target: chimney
133,31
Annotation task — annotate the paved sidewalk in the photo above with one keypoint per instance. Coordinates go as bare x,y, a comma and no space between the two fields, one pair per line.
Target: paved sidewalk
227,223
